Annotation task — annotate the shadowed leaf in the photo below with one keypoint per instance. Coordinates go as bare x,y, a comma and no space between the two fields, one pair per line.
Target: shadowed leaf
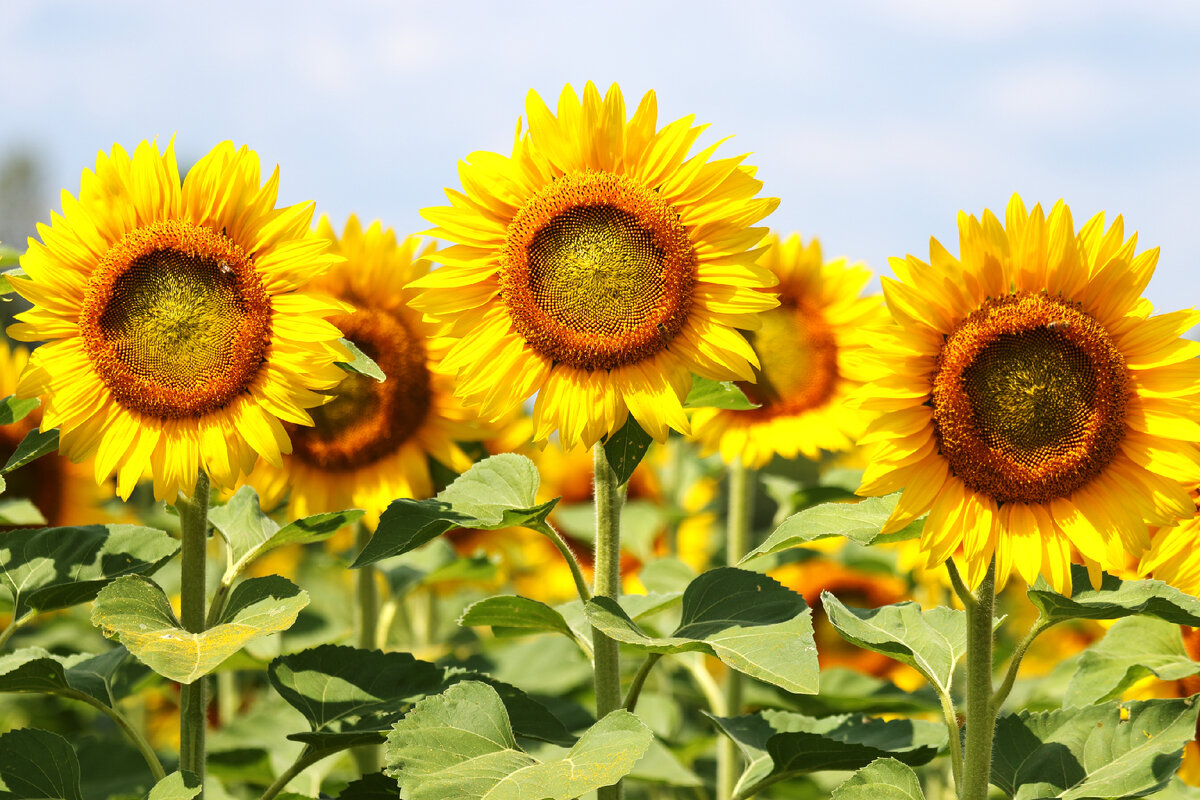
105,677
35,445
14,409
1114,599
39,765
626,448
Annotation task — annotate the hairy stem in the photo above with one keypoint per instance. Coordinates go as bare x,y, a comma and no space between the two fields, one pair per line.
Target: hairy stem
607,584
981,717
737,544
955,736
581,586
1014,664
193,530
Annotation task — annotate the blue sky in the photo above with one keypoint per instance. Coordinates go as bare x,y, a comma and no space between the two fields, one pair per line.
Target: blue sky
875,121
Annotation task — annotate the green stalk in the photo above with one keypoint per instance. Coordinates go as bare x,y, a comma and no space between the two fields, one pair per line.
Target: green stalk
607,584
193,531
737,544
635,688
367,756
13,626
138,741
981,716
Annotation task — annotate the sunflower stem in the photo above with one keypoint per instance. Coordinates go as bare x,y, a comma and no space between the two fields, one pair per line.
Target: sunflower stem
1010,676
193,531
367,756
981,715
742,482
607,584
547,530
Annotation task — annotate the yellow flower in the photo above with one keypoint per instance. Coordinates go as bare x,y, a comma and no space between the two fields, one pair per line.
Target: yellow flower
807,371
1033,406
1173,556
371,444
179,332
598,266
64,492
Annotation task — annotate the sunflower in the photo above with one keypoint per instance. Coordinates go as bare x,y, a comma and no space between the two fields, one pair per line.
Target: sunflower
179,335
63,492
598,266
1032,405
371,444
1173,556
806,373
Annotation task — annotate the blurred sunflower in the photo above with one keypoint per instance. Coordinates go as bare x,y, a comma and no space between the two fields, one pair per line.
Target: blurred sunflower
65,493
371,443
179,331
1173,556
805,346
598,266
1032,406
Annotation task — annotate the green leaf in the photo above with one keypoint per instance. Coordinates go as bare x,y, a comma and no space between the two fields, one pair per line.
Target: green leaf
459,745
660,765
746,619
360,362
1132,649
859,522
105,678
885,779
1092,752
137,611
35,445
707,393
39,765
626,448
931,642
509,614
250,533
375,786
6,259
1114,599
351,696
19,512
777,743
14,409
498,492
176,786
52,568
846,690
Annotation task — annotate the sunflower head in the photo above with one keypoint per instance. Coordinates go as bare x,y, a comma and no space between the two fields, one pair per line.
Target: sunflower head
1031,403
600,265
806,349
178,331
371,442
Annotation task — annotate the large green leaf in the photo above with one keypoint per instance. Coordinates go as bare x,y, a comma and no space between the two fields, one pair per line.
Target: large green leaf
38,765
1114,599
746,619
35,445
13,409
1132,649
105,678
707,393
459,745
845,690
52,568
860,522
885,779
1099,751
360,362
250,533
779,743
931,642
136,611
351,696
176,786
626,448
498,492
509,614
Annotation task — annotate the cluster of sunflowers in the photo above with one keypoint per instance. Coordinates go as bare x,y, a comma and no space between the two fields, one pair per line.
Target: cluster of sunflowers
1017,408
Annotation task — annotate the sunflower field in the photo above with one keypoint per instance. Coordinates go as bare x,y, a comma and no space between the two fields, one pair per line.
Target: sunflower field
599,488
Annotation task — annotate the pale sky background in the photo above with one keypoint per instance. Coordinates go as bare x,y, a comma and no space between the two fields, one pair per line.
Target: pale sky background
874,120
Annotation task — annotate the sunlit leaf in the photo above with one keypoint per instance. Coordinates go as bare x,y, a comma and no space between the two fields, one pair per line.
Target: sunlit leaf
460,746
35,445
1098,751
1132,649
860,522
707,393
513,614
176,786
20,512
1114,599
52,568
136,611
360,362
498,492
885,779
746,619
14,409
